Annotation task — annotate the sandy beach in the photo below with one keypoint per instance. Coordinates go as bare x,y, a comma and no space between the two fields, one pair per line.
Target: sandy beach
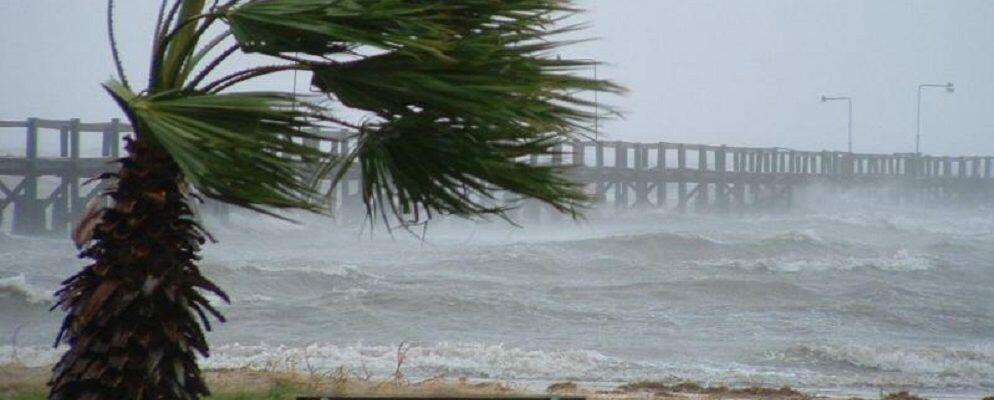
28,383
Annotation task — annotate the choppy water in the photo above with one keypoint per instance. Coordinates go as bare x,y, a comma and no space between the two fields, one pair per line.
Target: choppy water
856,299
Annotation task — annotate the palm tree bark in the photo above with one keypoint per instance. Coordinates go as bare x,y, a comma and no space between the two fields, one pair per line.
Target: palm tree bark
134,314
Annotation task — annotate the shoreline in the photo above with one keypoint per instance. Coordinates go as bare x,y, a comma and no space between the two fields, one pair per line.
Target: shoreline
28,383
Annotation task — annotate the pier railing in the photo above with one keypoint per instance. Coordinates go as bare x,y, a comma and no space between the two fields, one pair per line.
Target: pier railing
42,174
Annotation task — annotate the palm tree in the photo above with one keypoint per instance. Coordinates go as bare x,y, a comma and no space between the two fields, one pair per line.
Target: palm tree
455,93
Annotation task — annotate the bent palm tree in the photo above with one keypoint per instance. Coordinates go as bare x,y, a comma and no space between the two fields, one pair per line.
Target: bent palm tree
455,93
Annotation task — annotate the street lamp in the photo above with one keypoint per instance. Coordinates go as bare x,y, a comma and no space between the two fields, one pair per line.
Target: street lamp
848,100
918,133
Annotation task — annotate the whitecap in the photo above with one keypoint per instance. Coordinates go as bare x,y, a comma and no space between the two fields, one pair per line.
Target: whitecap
17,286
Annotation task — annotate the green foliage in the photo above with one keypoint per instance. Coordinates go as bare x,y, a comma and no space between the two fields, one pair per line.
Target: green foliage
457,93
319,27
489,82
436,164
241,148
180,48
463,91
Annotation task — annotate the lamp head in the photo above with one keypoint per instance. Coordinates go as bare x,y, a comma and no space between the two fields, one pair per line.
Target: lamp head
950,88
824,99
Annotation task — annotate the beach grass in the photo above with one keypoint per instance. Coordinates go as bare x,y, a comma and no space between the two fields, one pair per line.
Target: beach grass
29,383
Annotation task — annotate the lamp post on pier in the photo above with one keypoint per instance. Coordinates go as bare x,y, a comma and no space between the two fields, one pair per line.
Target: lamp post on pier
847,100
918,132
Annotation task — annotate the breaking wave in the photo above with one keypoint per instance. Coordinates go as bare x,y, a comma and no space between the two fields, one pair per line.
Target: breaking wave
17,287
449,359
900,261
946,366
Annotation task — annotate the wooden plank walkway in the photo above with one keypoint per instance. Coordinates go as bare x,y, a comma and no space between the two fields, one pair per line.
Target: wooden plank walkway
41,193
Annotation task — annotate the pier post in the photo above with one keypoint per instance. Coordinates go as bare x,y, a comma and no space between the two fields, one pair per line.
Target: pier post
557,155
620,180
76,198
661,177
600,186
110,147
641,175
28,215
681,188
578,153
721,191
738,187
60,201
703,195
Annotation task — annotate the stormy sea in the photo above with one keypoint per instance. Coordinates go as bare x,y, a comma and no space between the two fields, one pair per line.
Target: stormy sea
841,299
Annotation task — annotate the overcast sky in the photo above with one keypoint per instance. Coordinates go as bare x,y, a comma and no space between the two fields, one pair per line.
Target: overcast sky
737,72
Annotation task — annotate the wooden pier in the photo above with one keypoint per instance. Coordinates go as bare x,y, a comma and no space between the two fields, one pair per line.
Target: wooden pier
42,187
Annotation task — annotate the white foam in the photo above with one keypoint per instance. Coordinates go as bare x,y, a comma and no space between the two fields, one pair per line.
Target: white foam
896,367
18,286
798,236
452,359
301,265
901,261
35,356
929,366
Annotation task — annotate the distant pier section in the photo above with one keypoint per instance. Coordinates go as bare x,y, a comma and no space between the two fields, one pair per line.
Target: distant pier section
46,163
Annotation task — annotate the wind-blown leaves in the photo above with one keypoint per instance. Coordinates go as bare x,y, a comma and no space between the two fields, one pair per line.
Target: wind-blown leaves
453,128
241,148
450,85
487,80
320,27
420,162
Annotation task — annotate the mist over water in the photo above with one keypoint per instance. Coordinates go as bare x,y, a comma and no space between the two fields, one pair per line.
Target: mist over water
824,297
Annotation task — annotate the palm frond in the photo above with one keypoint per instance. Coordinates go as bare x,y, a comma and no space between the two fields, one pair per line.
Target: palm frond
482,78
178,46
460,93
422,162
241,148
320,27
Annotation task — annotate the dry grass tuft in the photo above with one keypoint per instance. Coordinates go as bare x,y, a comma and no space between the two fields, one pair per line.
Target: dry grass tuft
902,395
681,389
19,382
644,386
562,387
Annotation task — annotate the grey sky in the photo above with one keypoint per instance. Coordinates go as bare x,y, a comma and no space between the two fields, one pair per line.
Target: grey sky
738,72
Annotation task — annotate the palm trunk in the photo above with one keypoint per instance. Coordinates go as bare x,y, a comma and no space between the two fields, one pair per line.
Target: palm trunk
132,315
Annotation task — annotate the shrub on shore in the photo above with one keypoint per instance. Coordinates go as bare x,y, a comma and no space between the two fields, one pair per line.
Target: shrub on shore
658,388
902,395
562,387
